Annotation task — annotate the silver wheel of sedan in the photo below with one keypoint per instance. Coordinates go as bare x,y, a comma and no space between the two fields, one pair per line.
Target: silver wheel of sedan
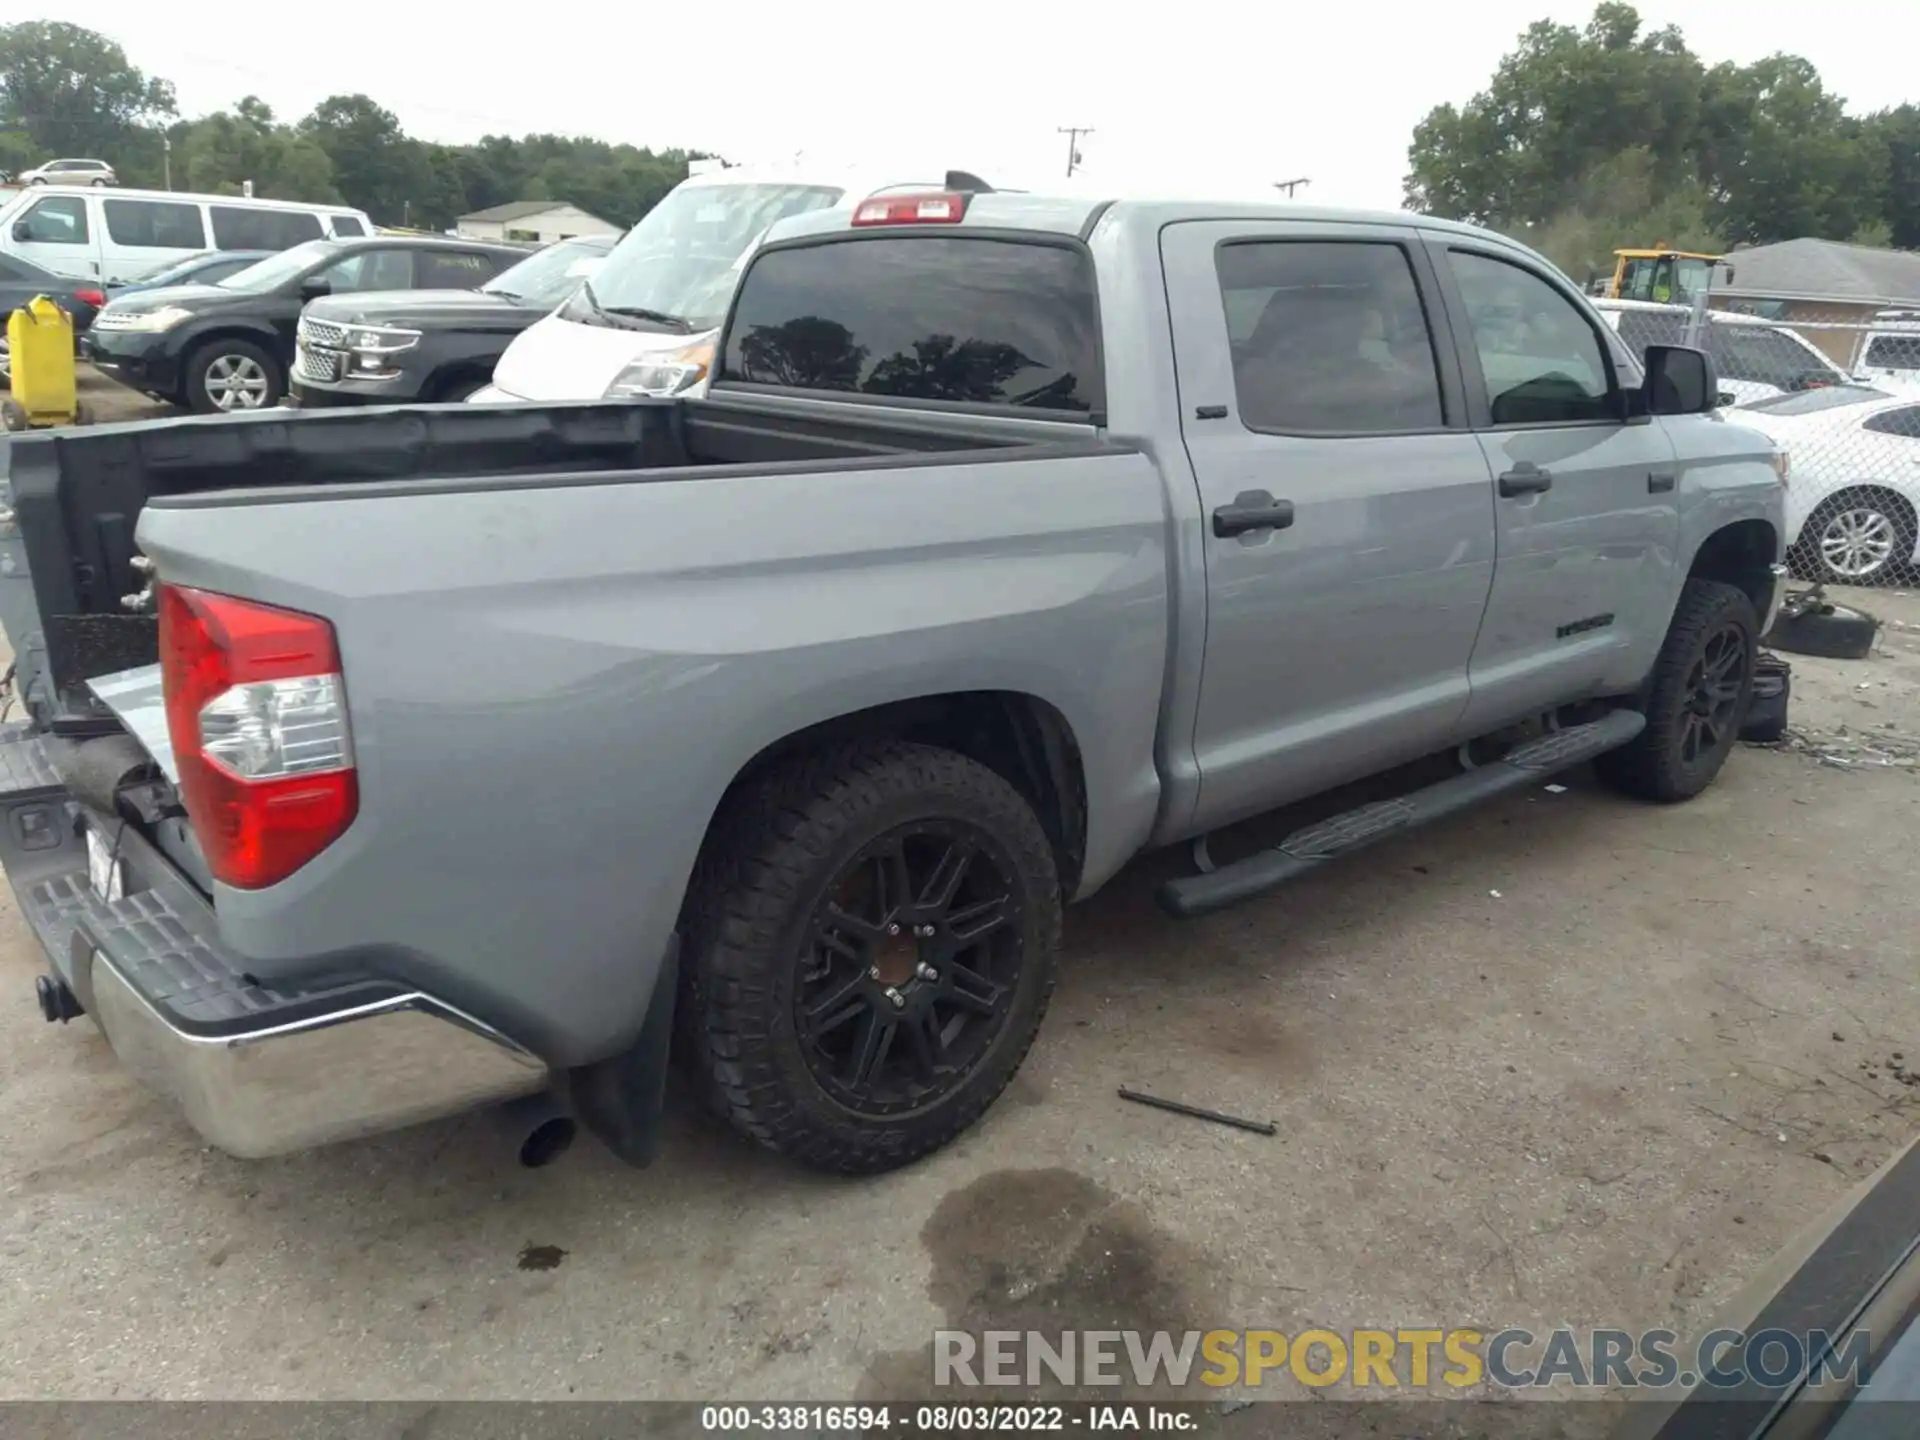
1858,542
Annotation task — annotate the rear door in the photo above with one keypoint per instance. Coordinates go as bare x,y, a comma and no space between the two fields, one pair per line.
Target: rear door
1584,500
1349,548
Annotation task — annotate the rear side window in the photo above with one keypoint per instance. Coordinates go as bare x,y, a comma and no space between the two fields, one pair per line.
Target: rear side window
923,317
1752,352
236,227
458,270
155,224
1893,352
344,225
1328,336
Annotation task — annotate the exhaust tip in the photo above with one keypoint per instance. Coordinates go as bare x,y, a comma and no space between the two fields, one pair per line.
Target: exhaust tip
539,1128
548,1141
57,1002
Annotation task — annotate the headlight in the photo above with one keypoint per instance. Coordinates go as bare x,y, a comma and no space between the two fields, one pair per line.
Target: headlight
164,318
664,374
380,340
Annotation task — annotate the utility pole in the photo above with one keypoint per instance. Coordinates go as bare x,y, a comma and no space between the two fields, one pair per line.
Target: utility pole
1290,185
1073,134
166,160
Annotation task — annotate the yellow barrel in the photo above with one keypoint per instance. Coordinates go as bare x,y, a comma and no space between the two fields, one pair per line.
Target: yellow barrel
40,334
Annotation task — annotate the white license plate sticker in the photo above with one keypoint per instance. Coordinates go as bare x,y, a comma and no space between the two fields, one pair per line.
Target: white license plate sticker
104,871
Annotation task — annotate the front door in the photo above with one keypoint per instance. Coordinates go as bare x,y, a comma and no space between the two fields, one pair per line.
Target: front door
55,231
1584,499
1348,508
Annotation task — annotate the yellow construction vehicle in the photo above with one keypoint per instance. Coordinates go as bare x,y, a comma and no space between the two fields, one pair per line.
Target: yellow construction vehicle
1666,277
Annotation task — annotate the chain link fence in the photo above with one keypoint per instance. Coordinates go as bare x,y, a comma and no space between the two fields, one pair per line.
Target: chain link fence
1838,388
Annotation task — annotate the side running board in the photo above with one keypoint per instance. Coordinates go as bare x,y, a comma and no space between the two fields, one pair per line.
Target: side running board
1309,849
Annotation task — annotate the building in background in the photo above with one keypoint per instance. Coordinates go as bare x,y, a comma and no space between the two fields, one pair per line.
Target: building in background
1827,290
533,221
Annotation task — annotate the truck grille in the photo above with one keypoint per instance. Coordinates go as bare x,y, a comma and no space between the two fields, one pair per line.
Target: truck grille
315,365
323,332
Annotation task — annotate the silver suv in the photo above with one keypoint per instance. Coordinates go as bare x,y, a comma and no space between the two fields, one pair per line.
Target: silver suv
70,172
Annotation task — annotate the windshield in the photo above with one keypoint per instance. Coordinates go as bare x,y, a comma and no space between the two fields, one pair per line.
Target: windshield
1810,402
276,270
548,276
674,270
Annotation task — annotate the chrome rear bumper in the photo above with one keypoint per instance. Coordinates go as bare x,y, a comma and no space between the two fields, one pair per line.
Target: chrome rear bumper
336,1076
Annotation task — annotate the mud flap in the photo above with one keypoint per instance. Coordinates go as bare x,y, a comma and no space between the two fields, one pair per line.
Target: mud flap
623,1099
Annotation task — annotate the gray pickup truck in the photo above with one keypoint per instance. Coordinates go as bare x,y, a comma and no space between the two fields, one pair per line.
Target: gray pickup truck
382,764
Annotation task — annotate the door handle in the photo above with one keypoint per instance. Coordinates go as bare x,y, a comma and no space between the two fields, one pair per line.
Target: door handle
1526,478
1660,482
1252,510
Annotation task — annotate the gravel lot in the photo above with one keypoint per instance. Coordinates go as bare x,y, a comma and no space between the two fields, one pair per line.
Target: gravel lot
1567,1059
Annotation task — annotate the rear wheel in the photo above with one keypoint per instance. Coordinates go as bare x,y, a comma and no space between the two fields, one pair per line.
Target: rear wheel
224,376
871,951
1702,685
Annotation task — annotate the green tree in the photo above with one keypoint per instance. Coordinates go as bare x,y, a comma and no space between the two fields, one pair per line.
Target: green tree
375,165
218,153
1896,133
71,91
1748,153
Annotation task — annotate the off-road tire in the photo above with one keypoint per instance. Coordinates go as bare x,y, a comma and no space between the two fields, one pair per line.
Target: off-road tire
1652,766
776,848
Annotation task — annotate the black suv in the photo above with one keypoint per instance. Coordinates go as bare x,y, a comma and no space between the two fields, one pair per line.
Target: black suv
434,345
229,346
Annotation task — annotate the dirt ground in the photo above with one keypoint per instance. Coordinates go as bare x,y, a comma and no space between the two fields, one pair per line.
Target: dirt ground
1569,1059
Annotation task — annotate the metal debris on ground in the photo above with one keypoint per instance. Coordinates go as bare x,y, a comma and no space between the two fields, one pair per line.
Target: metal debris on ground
1178,1107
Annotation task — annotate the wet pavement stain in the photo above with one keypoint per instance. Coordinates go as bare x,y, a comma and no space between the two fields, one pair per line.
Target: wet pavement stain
1047,1250
541,1257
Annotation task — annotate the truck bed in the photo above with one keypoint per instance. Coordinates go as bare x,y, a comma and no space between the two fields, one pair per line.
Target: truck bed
67,555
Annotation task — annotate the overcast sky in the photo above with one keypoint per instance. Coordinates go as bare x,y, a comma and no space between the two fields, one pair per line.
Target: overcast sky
1227,94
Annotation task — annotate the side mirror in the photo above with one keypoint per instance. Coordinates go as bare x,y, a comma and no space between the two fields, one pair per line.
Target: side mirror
314,286
22,230
1680,381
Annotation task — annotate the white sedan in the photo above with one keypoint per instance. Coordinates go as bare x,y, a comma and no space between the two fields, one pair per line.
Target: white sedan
1853,485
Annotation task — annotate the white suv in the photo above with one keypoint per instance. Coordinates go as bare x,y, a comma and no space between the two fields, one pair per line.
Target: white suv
69,172
1890,358
1754,358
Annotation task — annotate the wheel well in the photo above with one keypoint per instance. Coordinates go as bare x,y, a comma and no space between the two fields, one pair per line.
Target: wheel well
1740,554
456,376
1893,500
1020,737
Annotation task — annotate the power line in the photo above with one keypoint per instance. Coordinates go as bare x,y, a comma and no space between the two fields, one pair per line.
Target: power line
1073,134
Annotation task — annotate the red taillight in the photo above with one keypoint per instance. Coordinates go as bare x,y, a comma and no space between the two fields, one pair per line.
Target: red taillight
95,298
258,719
941,209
